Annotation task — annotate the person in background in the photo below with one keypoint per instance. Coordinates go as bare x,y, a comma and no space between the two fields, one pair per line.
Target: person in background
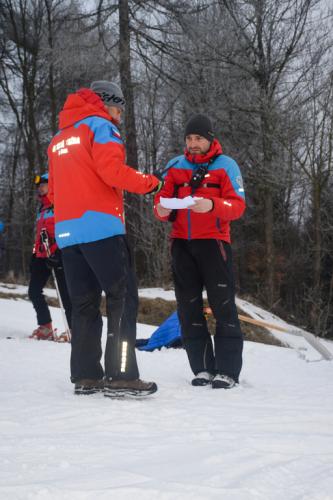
41,267
88,152
201,252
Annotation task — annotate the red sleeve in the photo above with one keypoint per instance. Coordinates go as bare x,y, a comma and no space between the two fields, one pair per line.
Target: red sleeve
110,166
230,206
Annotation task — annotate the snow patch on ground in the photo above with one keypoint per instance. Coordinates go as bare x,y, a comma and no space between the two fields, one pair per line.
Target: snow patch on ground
271,438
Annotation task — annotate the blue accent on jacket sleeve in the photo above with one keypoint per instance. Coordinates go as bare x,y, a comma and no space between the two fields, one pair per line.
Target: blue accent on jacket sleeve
92,226
104,131
232,170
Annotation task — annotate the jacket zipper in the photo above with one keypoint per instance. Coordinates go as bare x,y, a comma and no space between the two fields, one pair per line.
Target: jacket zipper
188,224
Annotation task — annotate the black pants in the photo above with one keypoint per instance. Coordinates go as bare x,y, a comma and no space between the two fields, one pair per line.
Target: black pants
207,263
91,268
39,274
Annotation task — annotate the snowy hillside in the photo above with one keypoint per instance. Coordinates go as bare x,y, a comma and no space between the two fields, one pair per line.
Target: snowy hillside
271,438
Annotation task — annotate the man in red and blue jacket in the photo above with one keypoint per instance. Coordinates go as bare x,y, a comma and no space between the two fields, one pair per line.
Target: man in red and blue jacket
201,252
88,174
41,266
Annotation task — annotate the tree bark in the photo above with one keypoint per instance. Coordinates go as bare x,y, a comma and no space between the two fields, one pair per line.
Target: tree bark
126,83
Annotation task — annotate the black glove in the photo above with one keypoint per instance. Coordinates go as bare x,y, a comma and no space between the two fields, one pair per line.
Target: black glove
54,261
157,188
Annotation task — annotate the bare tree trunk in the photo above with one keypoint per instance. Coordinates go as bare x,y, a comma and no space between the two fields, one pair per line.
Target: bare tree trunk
316,306
269,244
317,250
53,99
132,202
126,83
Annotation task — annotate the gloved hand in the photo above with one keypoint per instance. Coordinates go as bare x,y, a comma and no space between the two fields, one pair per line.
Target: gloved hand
159,175
157,188
54,261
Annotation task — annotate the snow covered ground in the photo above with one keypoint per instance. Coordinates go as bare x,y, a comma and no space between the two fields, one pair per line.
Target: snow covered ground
271,438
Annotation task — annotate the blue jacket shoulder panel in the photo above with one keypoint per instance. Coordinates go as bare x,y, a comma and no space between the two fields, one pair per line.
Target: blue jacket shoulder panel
104,130
180,162
232,170
174,161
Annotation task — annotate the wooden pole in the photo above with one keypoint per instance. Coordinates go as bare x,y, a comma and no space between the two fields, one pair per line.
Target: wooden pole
313,341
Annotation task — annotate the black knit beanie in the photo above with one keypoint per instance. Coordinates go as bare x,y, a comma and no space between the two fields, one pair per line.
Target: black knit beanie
200,125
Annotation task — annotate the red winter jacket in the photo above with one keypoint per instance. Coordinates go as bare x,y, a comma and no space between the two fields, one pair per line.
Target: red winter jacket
87,173
222,184
45,220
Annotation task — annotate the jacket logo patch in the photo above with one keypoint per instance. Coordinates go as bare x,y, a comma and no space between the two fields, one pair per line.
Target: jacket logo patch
239,181
61,148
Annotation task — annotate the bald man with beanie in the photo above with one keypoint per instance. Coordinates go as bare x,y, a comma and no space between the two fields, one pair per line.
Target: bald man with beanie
87,176
201,252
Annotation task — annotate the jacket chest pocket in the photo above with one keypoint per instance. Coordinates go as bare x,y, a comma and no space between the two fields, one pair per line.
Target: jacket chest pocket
183,191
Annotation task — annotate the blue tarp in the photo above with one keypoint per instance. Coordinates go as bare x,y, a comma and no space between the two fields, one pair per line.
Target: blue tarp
168,334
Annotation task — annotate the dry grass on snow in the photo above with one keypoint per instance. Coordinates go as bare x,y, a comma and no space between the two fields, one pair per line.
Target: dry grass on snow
155,311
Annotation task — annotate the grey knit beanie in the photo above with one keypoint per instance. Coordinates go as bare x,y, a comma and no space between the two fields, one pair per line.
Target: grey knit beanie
110,93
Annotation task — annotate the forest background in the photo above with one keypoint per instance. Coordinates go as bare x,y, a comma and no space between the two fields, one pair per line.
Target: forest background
261,69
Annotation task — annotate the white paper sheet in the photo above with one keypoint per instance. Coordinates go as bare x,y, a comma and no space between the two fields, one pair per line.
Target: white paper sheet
176,203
